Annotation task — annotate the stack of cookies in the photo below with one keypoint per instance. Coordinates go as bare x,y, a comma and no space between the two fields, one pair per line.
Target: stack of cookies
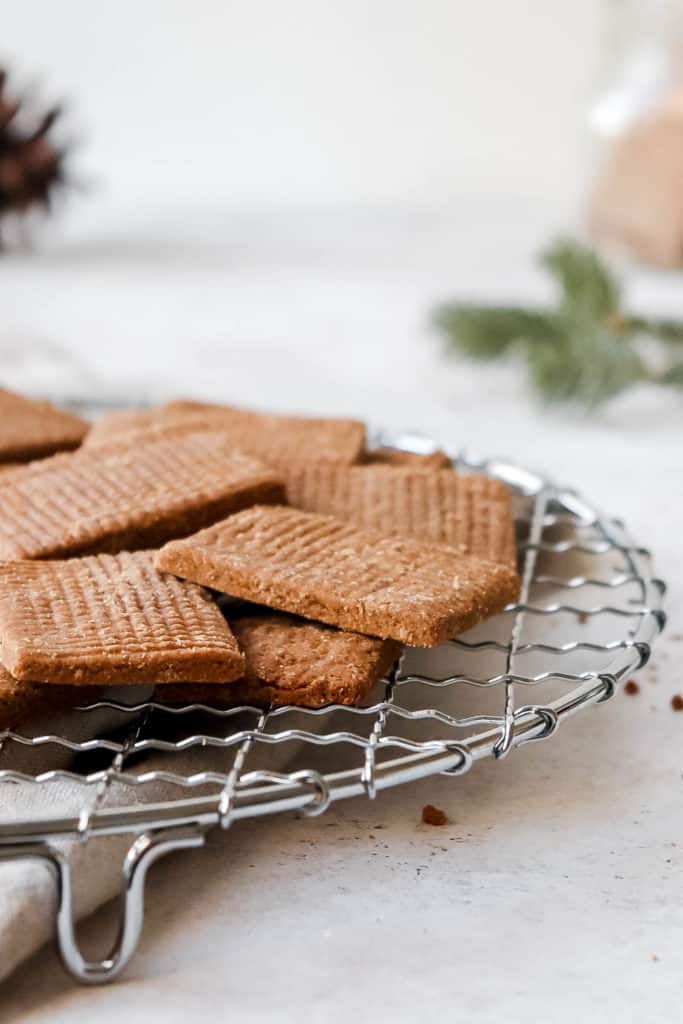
230,556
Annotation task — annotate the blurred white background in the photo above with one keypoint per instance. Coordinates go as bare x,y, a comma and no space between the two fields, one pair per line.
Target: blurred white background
281,193
272,185
262,102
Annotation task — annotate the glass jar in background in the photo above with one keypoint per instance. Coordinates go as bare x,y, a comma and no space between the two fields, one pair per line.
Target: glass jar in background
636,122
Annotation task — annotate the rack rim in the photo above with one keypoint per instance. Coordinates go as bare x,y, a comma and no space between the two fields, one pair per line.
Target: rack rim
304,793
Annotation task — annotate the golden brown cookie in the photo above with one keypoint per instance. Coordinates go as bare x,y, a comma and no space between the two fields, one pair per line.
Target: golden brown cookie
109,620
274,439
292,661
470,513
30,429
320,568
126,498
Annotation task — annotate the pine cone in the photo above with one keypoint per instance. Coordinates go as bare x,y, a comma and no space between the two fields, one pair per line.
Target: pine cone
30,164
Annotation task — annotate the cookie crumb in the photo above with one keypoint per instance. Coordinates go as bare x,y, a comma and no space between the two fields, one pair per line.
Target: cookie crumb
677,702
631,688
432,815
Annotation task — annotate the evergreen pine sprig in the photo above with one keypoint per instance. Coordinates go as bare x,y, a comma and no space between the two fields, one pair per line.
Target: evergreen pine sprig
586,348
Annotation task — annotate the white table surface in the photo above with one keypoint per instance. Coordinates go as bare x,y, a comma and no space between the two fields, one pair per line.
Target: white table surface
554,892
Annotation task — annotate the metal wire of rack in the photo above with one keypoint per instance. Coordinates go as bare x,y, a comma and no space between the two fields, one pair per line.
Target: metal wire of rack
588,612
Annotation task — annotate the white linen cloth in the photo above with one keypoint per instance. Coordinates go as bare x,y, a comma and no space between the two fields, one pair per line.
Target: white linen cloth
27,912
27,909
28,904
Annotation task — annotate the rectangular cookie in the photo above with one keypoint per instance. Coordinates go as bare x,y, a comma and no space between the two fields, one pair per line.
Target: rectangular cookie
30,429
470,513
409,460
292,661
109,620
273,438
320,568
111,500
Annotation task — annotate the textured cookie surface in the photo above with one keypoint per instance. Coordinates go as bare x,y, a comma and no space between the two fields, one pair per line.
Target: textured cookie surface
320,568
274,439
411,460
470,513
110,619
30,429
292,661
126,498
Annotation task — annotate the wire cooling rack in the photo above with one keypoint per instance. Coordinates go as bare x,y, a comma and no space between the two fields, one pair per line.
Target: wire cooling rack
588,611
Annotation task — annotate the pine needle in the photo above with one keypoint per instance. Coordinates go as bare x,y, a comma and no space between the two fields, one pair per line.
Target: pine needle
585,349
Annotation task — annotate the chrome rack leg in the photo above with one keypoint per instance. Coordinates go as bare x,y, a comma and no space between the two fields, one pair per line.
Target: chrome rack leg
143,852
